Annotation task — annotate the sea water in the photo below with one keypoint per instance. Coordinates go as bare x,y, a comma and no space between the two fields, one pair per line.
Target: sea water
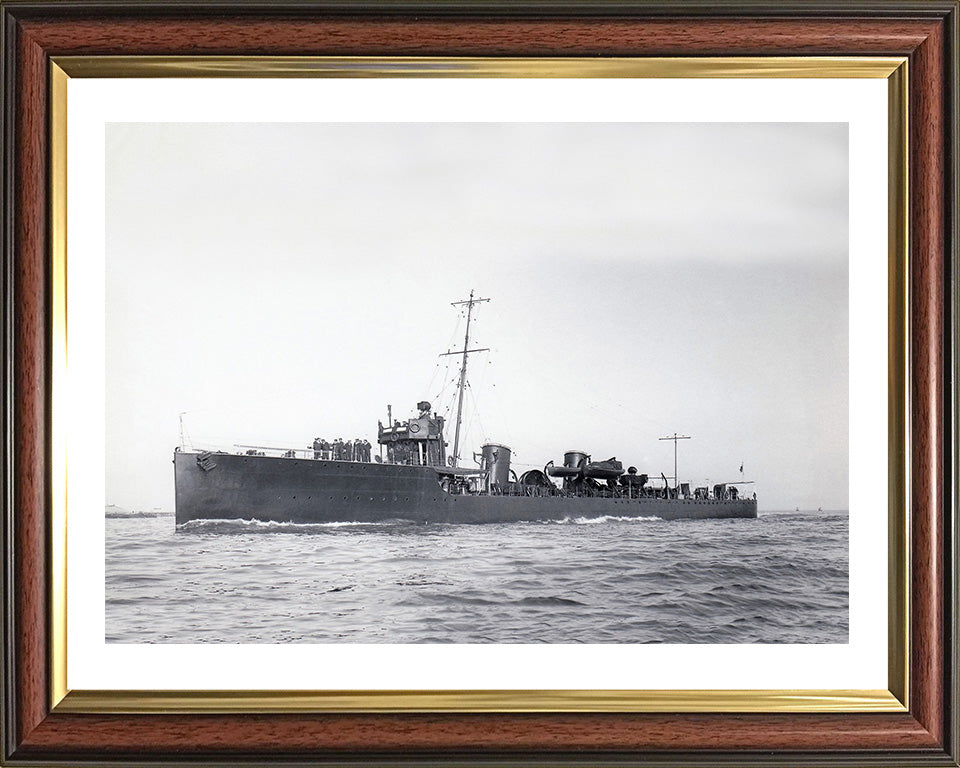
780,578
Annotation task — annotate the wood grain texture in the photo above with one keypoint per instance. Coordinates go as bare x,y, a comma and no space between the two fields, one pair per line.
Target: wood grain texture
864,738
927,316
300,734
29,370
439,37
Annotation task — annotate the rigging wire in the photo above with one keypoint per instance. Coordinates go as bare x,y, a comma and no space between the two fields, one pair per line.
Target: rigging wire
491,392
448,408
438,397
475,416
437,366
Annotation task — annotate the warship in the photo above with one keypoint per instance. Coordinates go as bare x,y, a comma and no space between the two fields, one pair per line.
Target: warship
413,478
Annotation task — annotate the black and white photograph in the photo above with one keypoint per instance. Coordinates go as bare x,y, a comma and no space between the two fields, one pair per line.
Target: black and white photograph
477,382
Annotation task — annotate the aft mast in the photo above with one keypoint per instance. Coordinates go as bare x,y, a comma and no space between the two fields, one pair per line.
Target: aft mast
463,369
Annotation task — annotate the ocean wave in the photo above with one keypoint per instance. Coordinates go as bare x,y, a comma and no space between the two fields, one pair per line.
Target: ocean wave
604,519
462,599
123,514
272,526
775,581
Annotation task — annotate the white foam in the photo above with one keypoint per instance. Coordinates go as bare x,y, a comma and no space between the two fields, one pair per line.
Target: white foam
604,519
268,525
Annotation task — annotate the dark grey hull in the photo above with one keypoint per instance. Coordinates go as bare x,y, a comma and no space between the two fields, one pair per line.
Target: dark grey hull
310,491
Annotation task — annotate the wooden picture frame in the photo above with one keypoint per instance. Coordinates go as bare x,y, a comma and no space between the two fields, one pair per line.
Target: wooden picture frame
38,726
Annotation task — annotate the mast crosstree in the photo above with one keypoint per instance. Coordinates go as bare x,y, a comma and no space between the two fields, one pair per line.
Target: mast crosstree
469,303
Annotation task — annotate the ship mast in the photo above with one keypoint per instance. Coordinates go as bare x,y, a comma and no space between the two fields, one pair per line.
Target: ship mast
675,437
463,369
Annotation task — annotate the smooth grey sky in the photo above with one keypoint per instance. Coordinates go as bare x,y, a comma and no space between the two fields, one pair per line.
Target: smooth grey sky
284,281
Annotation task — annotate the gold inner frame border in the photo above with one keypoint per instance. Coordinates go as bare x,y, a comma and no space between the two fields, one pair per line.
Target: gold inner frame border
894,699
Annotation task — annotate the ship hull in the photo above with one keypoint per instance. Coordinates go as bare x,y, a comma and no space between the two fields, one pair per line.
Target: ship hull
270,489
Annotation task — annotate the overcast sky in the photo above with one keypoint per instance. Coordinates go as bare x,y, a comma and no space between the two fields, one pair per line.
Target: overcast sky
280,282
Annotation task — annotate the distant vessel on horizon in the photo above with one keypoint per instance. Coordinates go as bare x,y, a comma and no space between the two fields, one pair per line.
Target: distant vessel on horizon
414,479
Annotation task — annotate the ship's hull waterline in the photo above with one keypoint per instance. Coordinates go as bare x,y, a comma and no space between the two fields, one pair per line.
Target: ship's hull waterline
271,489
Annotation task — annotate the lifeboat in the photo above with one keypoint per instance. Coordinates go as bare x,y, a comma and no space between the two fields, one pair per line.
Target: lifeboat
603,470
